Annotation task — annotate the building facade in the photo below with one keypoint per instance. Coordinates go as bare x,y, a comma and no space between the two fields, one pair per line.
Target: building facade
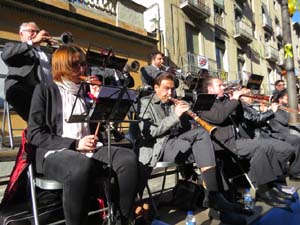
236,37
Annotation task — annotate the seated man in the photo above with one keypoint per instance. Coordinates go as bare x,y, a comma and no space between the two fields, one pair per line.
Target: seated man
227,136
166,135
280,129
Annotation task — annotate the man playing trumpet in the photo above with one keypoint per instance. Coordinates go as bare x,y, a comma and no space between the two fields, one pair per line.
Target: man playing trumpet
27,65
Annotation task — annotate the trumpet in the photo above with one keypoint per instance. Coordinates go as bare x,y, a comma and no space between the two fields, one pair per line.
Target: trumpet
90,80
260,97
208,127
287,109
64,39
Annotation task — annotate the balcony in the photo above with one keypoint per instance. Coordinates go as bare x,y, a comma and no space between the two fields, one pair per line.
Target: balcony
195,9
279,32
267,22
219,22
243,32
271,54
193,63
215,71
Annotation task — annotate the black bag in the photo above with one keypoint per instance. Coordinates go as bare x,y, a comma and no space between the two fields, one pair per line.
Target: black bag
49,210
187,195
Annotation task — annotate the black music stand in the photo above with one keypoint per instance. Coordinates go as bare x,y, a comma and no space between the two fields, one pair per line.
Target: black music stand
112,105
204,102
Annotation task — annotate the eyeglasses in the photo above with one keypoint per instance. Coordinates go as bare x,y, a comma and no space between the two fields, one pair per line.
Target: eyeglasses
79,64
31,30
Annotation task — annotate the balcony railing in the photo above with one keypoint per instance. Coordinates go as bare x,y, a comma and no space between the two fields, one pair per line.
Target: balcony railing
219,21
243,32
195,8
271,54
193,63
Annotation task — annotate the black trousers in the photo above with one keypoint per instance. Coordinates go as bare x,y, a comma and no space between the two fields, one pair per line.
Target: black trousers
264,165
19,97
192,146
77,173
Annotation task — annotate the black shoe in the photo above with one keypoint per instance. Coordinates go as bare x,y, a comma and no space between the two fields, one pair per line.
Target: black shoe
217,201
281,194
295,177
269,198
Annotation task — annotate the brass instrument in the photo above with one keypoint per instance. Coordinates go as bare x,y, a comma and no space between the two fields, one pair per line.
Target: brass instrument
268,103
90,80
64,39
208,127
260,97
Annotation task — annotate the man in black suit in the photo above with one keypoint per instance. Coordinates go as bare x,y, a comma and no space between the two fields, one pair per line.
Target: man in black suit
261,158
27,65
281,130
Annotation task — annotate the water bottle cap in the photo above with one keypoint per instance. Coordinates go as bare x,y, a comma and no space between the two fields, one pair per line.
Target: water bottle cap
190,212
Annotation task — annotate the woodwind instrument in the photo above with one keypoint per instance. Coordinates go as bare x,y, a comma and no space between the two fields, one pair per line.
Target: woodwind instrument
287,109
208,127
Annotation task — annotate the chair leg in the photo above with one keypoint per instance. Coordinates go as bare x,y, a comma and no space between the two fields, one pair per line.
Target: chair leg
11,137
33,195
3,124
152,201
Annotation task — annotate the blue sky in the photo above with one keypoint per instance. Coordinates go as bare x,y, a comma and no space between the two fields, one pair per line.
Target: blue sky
296,17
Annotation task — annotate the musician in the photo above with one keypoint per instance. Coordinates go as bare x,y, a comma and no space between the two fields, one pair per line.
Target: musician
281,129
254,125
27,65
167,136
149,73
226,137
279,86
61,146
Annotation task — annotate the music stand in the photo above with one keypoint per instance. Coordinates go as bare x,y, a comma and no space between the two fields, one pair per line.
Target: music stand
112,105
204,102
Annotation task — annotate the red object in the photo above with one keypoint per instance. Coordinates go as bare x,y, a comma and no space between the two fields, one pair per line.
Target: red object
102,206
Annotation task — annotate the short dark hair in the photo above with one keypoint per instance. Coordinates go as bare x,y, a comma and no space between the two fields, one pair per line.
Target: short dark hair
279,95
207,82
164,76
278,81
155,53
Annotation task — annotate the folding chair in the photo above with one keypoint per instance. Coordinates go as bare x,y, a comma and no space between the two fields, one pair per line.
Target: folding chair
6,116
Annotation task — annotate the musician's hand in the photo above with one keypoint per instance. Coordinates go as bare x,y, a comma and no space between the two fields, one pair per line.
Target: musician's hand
263,107
87,143
236,95
95,89
181,107
42,36
274,107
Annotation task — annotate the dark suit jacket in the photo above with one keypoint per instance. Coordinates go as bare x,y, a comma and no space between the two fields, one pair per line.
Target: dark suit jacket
45,122
23,64
149,73
219,115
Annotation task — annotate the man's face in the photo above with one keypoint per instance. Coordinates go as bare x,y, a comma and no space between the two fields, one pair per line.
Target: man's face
284,100
158,61
280,86
216,88
165,90
28,32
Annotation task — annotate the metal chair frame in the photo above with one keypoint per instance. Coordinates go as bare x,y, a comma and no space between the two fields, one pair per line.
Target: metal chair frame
6,113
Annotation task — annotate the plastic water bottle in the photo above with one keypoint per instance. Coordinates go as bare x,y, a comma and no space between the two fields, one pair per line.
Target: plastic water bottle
190,218
248,200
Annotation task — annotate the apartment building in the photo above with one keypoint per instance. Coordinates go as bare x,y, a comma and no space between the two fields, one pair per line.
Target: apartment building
232,39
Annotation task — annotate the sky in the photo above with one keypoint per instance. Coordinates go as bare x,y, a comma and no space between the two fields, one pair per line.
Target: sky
296,17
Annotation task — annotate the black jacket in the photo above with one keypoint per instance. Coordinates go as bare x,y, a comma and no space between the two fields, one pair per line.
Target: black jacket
45,122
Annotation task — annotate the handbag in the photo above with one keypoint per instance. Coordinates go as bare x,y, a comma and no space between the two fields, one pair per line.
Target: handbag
187,195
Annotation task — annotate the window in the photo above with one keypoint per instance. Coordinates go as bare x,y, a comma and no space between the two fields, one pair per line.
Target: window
192,39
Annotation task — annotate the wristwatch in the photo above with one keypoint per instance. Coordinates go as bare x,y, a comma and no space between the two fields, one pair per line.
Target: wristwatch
29,42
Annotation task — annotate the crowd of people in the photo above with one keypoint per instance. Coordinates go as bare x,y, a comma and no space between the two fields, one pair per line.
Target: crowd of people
44,93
